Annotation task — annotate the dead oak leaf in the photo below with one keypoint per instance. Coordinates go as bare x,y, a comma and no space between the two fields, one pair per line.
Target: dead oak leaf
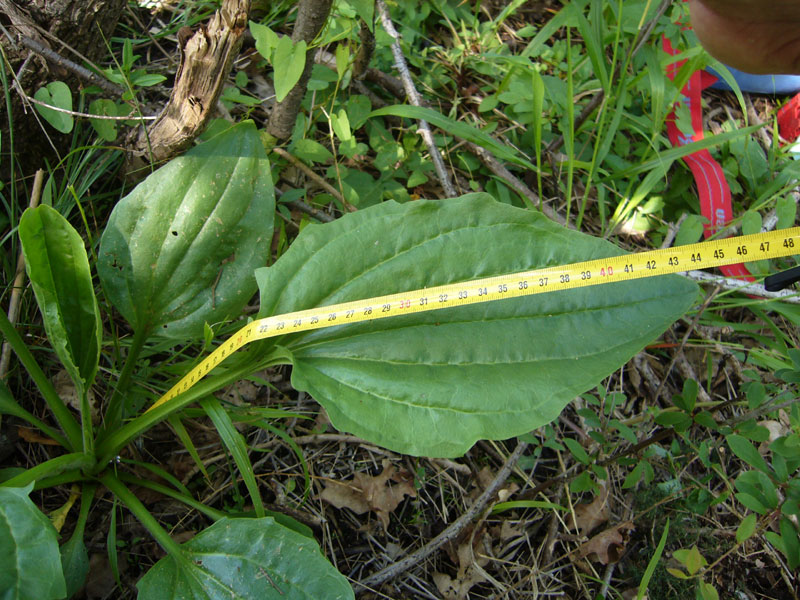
590,515
367,493
608,545
470,571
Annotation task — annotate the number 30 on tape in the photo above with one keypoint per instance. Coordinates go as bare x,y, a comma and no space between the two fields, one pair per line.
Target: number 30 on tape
704,255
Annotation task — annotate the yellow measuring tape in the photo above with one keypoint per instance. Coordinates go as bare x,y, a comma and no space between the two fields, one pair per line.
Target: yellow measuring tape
704,255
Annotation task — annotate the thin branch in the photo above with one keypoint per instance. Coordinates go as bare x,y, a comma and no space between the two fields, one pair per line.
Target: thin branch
311,211
452,530
523,190
66,63
310,173
132,116
414,98
745,287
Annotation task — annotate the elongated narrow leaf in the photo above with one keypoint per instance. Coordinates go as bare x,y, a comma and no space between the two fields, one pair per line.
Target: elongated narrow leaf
246,558
30,563
236,445
56,261
181,248
433,383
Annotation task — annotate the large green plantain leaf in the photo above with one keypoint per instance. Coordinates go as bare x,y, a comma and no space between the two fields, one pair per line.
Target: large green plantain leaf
253,559
181,248
56,261
433,383
30,564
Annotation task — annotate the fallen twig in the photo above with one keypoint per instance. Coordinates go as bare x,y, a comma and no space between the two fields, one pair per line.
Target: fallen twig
317,179
19,280
452,530
80,71
745,287
414,99
523,190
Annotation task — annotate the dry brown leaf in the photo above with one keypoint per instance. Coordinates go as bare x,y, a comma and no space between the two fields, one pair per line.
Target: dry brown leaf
34,437
590,515
469,573
68,393
365,492
608,545
239,393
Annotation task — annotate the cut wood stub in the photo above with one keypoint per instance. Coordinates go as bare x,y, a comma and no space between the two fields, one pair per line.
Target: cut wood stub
206,58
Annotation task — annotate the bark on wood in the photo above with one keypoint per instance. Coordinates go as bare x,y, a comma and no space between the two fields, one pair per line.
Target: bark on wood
311,17
206,59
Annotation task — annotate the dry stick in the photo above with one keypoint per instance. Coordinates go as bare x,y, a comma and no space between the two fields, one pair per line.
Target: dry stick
311,211
523,190
745,287
414,99
206,59
452,530
19,280
310,173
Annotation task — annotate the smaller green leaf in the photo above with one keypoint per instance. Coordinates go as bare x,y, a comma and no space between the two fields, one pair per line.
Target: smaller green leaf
341,125
56,94
680,421
694,561
707,591
746,528
288,63
311,151
366,10
751,503
690,231
634,476
677,573
791,543
342,59
756,394
30,563
266,39
776,540
142,78
751,222
577,450
105,128
582,483
705,419
742,448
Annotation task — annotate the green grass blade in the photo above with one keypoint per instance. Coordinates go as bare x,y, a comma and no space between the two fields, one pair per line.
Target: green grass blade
235,444
186,440
651,566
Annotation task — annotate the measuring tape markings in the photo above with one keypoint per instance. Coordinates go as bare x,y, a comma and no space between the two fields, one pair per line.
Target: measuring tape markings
625,267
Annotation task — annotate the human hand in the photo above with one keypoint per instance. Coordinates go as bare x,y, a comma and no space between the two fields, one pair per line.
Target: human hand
756,36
